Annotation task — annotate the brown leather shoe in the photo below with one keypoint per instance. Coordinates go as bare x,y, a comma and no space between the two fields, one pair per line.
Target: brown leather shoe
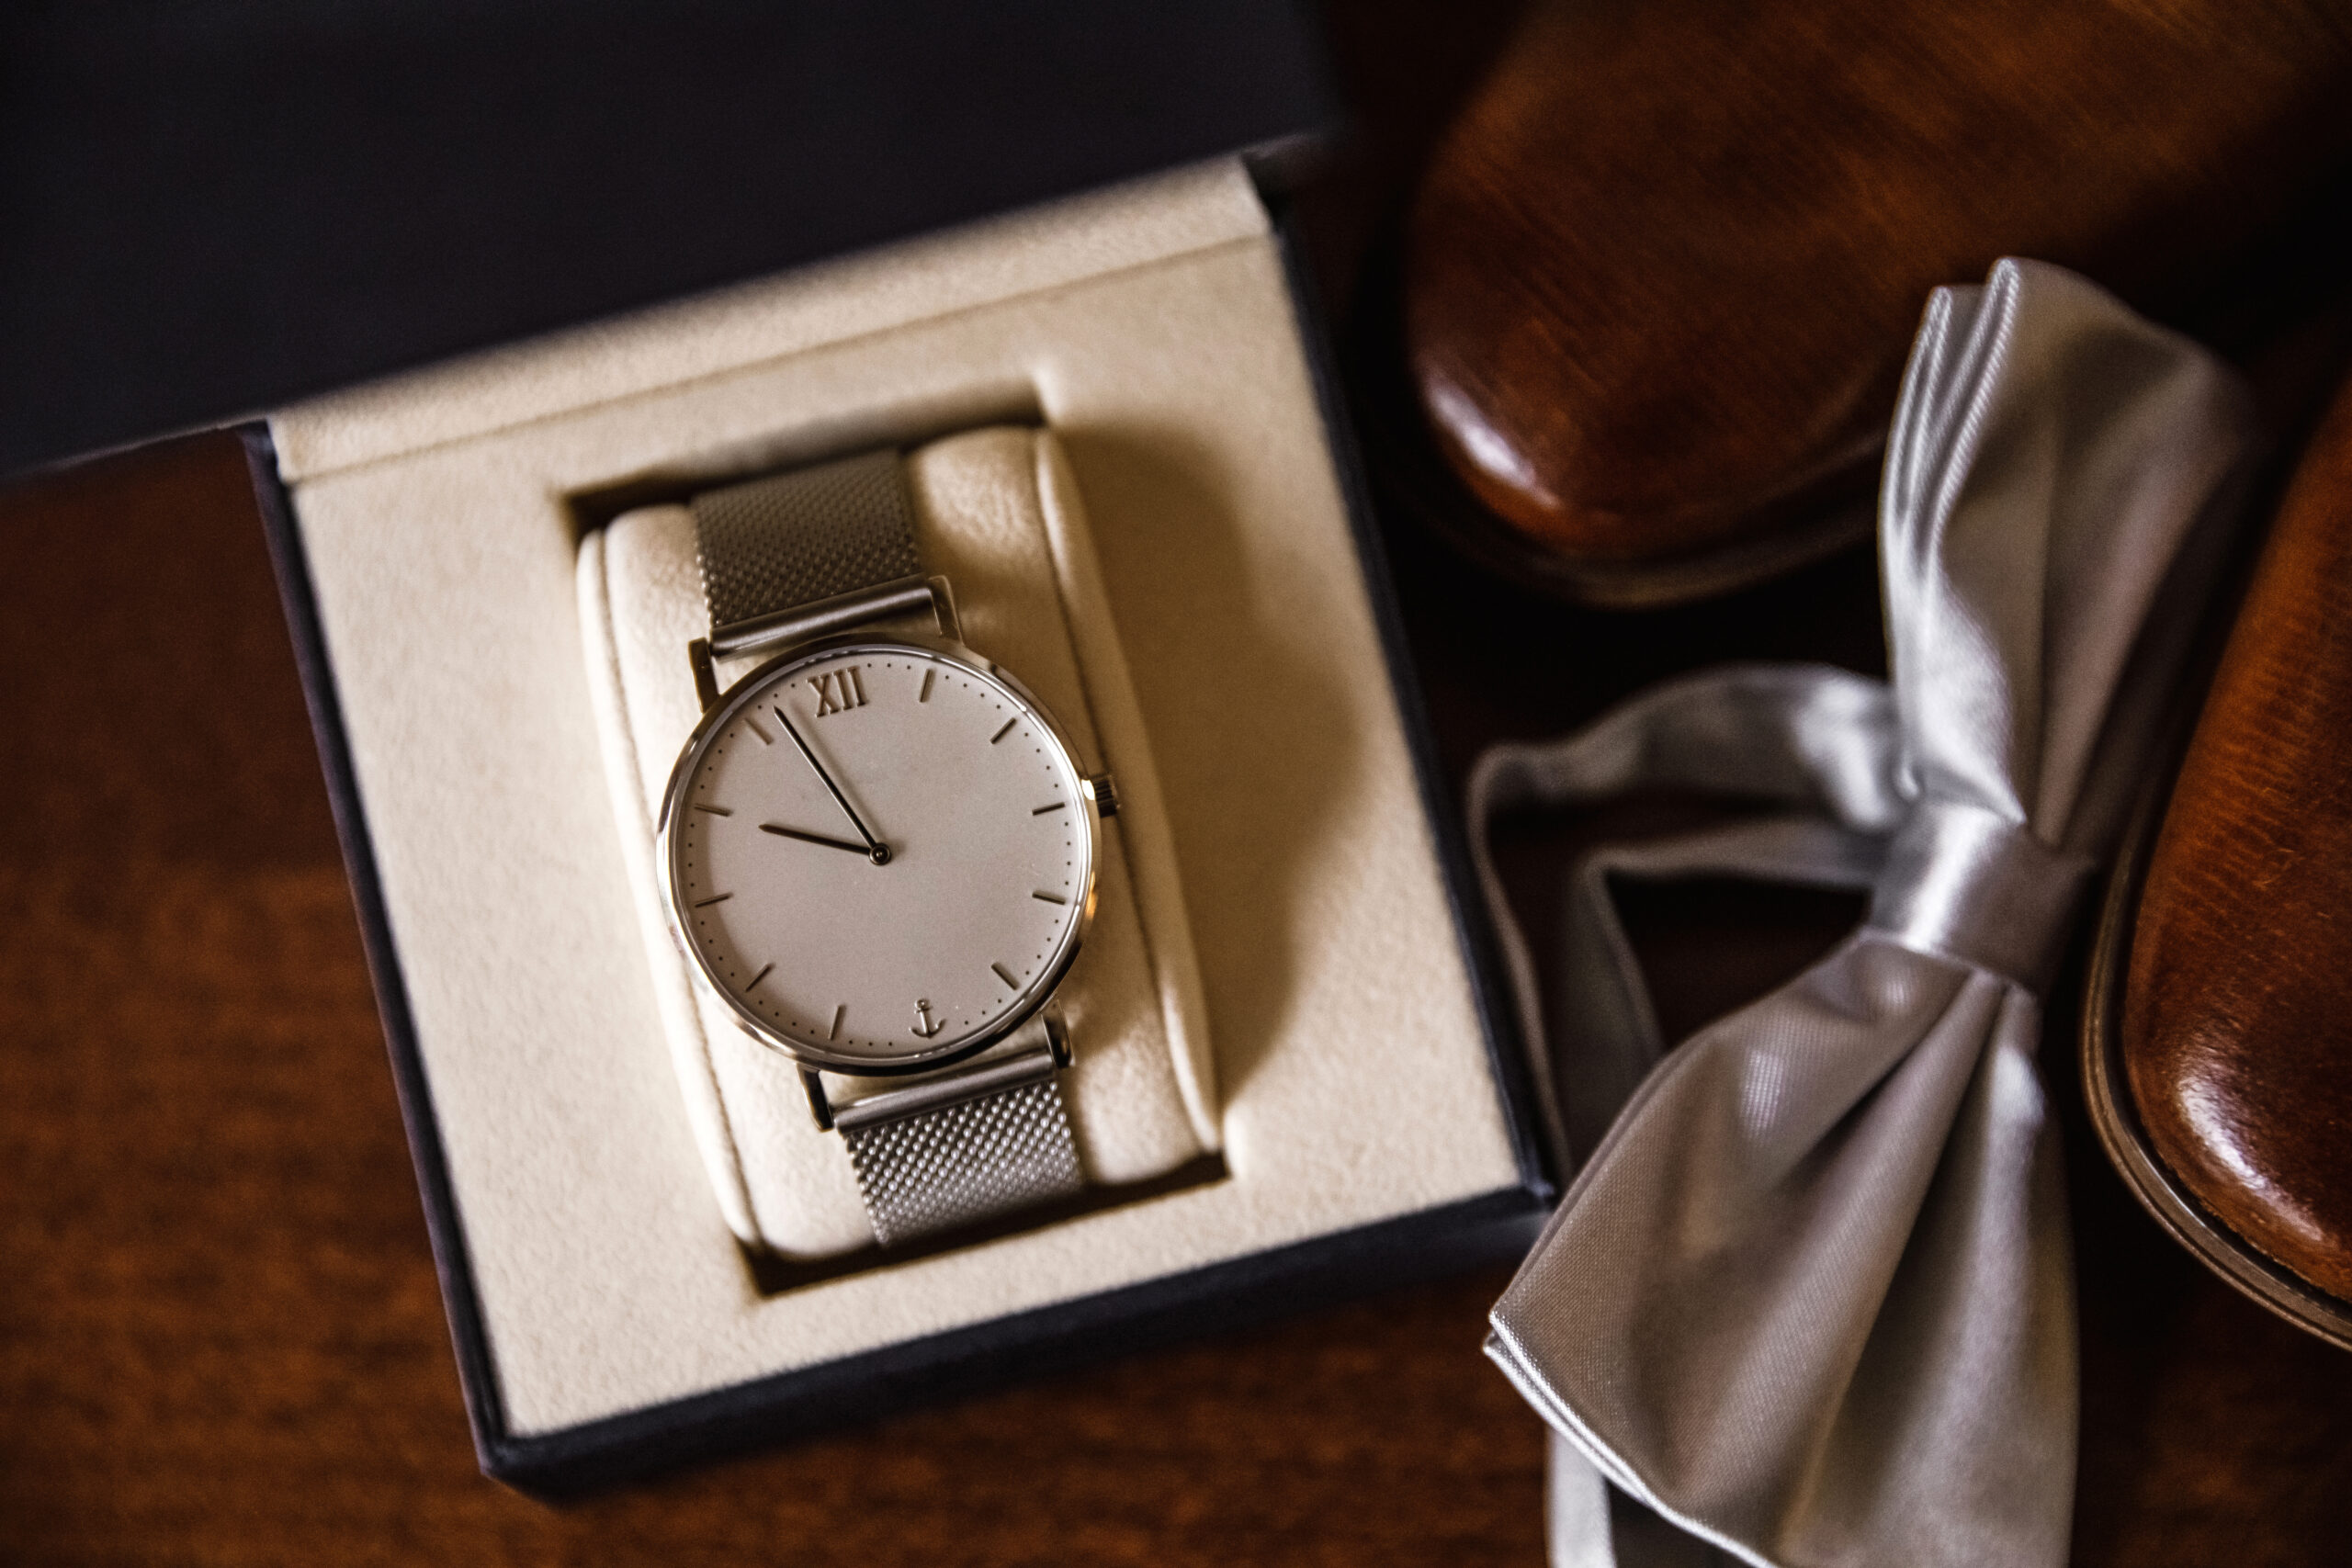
1662,276
2236,1035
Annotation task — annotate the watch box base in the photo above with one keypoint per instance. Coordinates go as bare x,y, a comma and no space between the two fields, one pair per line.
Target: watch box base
1375,1125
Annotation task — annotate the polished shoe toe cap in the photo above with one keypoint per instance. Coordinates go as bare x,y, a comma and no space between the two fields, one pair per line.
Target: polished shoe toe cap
1661,278
2237,1020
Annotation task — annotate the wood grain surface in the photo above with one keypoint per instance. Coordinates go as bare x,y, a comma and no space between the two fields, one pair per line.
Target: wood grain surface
2237,1018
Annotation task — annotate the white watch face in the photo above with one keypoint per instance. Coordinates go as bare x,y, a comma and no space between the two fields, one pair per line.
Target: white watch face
879,854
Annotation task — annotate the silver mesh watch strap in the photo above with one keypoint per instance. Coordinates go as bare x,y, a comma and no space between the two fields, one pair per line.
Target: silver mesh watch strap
970,1161
976,1142
776,543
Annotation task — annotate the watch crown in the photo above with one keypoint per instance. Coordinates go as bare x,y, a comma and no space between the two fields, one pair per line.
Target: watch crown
1106,794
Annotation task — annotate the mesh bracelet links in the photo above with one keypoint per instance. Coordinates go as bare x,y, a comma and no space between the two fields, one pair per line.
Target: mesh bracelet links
971,1142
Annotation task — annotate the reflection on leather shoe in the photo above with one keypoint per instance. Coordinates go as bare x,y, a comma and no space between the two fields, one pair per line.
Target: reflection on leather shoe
2236,1035
1661,277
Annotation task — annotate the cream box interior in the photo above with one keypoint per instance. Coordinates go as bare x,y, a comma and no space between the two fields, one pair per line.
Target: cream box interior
1137,355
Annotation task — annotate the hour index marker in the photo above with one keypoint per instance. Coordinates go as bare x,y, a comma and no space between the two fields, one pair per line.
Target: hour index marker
714,899
928,676
1008,979
754,725
1049,897
715,810
1055,807
839,1011
762,975
1005,731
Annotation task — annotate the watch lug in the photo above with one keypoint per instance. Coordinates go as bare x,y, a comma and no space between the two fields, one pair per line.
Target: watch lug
1058,1038
943,609
706,674
818,1106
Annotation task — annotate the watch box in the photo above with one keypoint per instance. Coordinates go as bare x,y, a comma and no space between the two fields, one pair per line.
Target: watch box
1133,308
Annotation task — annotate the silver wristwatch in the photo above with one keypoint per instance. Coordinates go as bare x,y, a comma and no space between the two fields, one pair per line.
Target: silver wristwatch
878,850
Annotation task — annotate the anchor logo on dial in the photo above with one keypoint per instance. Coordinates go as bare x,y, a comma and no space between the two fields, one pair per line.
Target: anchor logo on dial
925,1025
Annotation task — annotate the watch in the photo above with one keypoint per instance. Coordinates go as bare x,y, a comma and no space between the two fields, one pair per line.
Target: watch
878,850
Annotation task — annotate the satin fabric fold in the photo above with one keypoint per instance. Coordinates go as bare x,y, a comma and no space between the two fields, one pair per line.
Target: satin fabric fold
1810,1296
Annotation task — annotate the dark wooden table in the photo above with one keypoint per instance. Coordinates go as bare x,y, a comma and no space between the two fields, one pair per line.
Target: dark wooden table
220,1338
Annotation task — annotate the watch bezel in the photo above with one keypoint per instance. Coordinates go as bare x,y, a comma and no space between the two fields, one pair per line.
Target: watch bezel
738,695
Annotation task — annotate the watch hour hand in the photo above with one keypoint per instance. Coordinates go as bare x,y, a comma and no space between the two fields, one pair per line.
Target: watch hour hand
876,851
782,832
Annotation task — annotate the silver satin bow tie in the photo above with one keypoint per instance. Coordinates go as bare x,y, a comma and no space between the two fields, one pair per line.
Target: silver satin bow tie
1810,1296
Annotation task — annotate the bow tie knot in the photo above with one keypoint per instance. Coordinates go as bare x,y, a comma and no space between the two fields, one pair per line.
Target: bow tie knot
1967,882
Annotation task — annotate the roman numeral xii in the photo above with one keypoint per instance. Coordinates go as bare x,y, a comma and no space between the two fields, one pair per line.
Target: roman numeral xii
839,691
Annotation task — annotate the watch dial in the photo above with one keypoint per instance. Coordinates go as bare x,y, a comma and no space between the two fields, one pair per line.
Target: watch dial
881,854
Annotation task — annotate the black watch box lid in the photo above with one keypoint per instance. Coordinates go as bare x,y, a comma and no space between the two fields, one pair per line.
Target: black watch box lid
217,207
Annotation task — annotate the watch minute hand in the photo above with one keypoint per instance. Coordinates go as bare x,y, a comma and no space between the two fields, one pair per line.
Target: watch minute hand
876,851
